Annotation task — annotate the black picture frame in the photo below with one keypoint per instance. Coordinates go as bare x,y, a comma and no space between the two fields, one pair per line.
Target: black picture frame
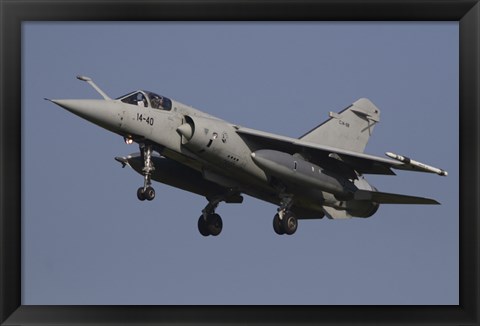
13,13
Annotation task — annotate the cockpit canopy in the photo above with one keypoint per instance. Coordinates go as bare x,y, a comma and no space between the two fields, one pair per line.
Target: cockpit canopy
147,99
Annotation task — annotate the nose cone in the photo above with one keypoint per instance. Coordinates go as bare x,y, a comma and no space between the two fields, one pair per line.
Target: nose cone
106,114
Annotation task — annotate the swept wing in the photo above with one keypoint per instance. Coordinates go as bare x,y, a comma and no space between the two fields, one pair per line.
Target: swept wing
336,157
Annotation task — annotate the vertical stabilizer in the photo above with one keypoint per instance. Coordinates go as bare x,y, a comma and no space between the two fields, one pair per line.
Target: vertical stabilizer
349,129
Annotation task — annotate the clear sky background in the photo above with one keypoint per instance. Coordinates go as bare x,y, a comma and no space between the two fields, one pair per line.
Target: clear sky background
87,239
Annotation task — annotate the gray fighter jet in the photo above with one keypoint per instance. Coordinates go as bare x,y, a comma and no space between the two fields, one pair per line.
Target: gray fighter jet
319,174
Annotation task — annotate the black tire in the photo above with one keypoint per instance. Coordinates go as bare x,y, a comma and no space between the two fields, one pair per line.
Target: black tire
149,193
202,227
277,225
289,223
214,224
141,194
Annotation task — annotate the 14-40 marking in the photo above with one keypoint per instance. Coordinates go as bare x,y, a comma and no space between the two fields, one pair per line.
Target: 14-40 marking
148,120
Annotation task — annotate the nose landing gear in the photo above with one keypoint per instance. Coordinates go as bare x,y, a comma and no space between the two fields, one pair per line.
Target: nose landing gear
146,192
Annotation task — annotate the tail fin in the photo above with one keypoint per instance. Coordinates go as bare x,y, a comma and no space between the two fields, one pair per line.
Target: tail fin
349,129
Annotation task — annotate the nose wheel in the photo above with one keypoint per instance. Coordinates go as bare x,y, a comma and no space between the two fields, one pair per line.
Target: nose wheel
146,192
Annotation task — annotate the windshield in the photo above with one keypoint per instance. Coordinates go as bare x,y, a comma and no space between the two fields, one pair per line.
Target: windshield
137,98
147,99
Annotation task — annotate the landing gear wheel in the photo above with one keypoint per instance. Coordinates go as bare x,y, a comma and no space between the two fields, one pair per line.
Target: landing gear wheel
289,223
149,193
141,194
202,226
214,224
146,192
277,225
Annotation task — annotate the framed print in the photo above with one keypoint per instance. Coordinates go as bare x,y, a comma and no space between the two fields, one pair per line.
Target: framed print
78,247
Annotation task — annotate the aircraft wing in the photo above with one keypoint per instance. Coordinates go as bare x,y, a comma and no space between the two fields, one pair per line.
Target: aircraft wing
334,157
388,198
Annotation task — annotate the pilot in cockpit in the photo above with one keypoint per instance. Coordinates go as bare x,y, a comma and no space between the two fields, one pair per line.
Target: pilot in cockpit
141,100
157,102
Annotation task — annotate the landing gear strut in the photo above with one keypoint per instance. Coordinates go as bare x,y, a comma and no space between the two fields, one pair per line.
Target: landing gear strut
285,221
210,223
146,192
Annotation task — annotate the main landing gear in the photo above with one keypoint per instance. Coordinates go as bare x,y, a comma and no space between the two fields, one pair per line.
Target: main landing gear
210,223
285,221
146,192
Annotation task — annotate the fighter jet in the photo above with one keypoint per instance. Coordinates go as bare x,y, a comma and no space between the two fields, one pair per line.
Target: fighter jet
322,173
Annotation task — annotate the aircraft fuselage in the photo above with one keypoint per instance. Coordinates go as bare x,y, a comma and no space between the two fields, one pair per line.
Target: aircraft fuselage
219,160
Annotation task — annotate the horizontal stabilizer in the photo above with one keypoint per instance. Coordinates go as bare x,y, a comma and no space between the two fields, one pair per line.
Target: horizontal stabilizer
387,198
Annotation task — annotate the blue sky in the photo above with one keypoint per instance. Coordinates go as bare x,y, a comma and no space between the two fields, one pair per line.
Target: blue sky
88,240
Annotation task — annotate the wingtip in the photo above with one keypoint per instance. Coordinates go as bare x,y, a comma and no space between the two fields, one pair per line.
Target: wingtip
432,201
